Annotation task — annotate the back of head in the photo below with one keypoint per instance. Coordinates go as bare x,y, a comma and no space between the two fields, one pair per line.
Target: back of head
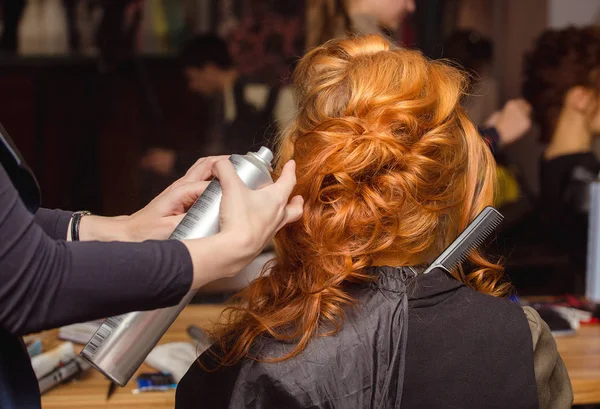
391,170
206,49
387,161
559,61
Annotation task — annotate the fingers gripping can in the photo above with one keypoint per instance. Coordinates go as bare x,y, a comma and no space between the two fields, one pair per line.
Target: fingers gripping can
121,344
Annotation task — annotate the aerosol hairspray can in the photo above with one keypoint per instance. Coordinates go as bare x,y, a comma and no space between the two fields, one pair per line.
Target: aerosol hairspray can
121,344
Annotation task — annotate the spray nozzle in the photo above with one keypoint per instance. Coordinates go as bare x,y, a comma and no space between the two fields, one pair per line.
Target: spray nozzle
265,154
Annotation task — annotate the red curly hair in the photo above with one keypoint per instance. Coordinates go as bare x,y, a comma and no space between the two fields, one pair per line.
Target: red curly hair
390,168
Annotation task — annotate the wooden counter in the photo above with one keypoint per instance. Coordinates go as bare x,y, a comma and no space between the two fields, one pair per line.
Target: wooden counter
90,391
580,352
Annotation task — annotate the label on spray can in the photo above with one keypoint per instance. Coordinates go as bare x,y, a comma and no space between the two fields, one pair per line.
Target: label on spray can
104,332
208,203
205,208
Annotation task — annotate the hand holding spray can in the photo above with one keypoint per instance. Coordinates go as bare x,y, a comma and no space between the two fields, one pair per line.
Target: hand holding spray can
121,344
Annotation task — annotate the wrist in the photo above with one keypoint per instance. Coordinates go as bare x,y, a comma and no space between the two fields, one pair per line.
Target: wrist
220,256
571,136
98,228
505,136
564,146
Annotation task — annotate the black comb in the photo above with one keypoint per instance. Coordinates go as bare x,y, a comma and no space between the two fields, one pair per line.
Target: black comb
472,237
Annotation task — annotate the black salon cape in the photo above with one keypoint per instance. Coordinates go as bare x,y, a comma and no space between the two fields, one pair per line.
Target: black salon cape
426,342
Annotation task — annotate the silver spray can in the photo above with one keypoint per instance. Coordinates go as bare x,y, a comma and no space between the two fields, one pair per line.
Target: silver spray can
122,343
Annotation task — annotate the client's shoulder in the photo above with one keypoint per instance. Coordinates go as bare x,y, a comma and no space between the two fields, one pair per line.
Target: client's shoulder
499,317
438,294
539,328
491,304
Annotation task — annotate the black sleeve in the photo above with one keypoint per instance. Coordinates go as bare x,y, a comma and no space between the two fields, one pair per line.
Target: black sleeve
565,200
491,136
54,222
46,283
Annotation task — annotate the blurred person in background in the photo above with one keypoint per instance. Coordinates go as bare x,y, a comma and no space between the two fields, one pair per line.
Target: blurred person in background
245,115
475,53
327,19
508,124
562,83
500,127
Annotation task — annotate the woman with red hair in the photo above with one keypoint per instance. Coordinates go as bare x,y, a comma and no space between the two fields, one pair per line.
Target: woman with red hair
391,171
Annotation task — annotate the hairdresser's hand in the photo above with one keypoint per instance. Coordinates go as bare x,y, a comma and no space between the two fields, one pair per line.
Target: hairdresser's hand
252,217
161,161
249,219
513,122
159,218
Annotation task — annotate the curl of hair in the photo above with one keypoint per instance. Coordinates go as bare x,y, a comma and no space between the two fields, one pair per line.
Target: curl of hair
389,167
559,61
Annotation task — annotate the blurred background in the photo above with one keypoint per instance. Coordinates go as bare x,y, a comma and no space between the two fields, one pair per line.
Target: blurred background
102,98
